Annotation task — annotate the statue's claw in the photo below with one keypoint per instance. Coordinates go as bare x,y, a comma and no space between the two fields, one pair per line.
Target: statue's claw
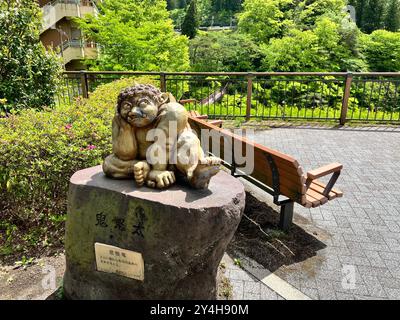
165,179
205,170
141,171
161,179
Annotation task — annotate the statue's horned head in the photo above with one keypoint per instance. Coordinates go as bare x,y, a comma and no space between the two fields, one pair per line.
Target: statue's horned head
139,104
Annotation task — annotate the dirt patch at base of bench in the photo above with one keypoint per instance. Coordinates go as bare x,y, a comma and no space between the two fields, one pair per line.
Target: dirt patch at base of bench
258,237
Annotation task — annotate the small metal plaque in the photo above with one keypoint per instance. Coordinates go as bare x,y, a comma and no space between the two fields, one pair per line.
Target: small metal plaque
119,261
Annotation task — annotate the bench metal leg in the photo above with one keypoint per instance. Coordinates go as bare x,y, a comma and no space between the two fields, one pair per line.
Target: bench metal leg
286,216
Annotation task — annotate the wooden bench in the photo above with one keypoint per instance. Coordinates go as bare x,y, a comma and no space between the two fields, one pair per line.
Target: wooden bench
275,172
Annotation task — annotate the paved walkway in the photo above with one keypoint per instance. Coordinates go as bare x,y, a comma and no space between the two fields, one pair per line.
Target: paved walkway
361,259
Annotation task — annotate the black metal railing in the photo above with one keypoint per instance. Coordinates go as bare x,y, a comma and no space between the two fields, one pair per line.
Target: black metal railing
266,95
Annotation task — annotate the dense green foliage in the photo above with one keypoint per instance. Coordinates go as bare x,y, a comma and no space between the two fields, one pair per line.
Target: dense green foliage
262,19
191,22
136,35
377,14
392,18
303,35
211,12
28,74
319,49
39,151
224,51
382,50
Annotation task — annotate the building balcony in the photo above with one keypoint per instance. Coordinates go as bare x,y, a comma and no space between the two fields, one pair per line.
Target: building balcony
77,50
56,10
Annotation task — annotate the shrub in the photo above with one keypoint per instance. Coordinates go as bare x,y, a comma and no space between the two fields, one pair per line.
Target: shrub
39,151
382,50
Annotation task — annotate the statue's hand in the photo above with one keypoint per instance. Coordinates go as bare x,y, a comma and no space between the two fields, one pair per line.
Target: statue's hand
161,179
123,123
141,171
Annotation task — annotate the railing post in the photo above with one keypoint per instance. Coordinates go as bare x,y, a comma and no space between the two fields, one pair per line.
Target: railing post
249,94
346,96
163,82
84,84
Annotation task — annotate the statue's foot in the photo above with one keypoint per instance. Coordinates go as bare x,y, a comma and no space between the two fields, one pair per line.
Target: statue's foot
160,179
205,170
141,171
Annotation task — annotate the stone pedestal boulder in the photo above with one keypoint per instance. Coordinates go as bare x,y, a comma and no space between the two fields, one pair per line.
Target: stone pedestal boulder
150,244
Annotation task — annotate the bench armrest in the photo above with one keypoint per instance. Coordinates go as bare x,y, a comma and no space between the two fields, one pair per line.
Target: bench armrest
334,168
323,171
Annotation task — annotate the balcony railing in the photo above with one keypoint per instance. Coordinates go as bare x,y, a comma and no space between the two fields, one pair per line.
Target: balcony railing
336,96
75,44
77,50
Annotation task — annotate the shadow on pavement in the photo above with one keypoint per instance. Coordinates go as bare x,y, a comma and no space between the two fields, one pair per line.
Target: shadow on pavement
259,238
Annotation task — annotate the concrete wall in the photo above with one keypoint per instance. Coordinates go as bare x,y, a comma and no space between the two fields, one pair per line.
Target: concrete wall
52,37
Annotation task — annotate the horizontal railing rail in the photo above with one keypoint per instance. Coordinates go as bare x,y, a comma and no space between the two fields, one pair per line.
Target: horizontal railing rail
76,43
325,96
77,2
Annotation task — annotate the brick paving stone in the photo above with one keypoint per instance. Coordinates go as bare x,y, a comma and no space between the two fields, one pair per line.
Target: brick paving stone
253,287
393,293
268,294
251,296
310,292
344,296
237,289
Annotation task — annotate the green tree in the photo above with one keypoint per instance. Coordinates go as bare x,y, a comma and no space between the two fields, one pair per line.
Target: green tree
205,11
373,15
28,74
190,24
262,19
382,50
297,51
392,18
224,51
136,35
319,49
308,12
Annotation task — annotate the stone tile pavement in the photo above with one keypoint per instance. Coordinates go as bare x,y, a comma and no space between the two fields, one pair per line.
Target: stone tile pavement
361,259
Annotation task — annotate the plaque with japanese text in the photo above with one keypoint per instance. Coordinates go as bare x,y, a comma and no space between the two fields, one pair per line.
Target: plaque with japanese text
119,261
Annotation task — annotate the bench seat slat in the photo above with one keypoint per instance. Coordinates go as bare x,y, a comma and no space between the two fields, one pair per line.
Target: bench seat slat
320,190
312,201
336,191
316,195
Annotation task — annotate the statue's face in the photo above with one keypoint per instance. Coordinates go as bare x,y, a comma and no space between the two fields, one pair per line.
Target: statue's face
139,111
